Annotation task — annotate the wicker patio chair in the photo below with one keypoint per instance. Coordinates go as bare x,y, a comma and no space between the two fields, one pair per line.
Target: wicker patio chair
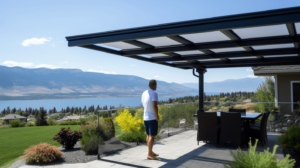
208,129
264,127
231,129
259,132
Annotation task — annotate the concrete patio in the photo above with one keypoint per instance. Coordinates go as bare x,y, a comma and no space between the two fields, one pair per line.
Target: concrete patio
180,150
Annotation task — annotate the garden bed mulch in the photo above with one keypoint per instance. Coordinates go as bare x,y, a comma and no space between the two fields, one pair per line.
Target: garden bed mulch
76,155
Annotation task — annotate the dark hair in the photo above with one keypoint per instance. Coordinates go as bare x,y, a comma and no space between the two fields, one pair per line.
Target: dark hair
152,83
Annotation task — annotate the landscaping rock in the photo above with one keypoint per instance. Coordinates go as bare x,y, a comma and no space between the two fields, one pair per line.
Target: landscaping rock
290,122
284,128
279,130
284,124
288,115
297,122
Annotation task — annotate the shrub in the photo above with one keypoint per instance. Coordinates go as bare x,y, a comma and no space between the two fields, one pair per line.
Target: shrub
291,139
132,138
15,123
131,125
2,122
82,120
42,153
264,159
92,118
50,121
91,147
90,135
22,124
30,124
67,138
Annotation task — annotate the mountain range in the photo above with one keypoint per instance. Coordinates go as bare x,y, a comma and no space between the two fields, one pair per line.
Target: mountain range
43,83
229,85
74,83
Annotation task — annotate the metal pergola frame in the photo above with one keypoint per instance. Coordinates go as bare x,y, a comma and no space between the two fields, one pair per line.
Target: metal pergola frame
225,25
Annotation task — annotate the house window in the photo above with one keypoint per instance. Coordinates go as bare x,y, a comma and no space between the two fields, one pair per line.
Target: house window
295,94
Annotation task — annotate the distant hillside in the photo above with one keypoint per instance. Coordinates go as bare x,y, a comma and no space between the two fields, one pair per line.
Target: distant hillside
230,85
44,83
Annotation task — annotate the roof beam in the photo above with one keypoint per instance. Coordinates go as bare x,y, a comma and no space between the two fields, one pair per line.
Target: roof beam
183,41
248,65
264,18
292,31
235,38
103,49
250,62
215,45
230,55
186,42
139,44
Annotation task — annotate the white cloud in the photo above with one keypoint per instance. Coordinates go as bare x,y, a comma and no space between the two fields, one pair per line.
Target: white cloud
20,64
148,78
35,41
47,66
132,65
156,76
101,71
249,70
66,62
251,76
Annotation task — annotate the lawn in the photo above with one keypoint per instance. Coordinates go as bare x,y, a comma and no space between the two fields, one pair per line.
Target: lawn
13,141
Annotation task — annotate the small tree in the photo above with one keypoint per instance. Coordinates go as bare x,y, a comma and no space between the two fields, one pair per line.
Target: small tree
265,93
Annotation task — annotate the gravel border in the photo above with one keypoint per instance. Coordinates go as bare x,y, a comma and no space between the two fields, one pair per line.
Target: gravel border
77,155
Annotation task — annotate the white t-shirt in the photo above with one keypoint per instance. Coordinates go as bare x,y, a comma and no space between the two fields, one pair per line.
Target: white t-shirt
147,98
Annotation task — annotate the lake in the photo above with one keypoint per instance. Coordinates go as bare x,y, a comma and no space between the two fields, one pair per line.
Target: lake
63,103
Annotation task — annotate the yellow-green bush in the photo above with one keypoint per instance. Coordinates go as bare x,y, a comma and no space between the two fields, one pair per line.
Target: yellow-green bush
30,124
2,122
131,125
51,122
42,153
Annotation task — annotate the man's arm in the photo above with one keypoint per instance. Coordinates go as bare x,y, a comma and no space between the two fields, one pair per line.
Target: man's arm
155,108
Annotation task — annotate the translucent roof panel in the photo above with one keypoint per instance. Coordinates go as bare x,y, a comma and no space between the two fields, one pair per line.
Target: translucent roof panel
274,56
157,55
241,58
159,41
276,46
120,45
297,25
189,52
206,37
262,31
228,49
204,60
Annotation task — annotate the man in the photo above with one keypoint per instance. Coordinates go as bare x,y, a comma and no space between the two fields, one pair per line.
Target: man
149,101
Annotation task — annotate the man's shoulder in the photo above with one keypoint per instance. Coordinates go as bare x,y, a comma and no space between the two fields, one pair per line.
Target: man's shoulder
145,92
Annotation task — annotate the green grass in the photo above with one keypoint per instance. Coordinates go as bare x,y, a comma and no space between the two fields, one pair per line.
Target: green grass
13,141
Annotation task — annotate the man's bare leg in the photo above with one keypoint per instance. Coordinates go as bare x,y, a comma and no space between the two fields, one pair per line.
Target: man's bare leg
147,139
150,146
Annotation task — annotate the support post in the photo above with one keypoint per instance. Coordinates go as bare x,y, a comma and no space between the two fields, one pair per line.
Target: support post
201,72
98,137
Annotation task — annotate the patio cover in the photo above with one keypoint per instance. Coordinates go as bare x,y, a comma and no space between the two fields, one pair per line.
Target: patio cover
253,39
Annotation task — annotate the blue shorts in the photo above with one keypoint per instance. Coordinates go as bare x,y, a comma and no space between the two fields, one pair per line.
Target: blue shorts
151,127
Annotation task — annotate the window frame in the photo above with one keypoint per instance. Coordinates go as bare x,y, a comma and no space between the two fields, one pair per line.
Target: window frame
292,97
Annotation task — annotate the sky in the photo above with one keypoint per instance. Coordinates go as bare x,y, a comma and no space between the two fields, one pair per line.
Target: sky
33,33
